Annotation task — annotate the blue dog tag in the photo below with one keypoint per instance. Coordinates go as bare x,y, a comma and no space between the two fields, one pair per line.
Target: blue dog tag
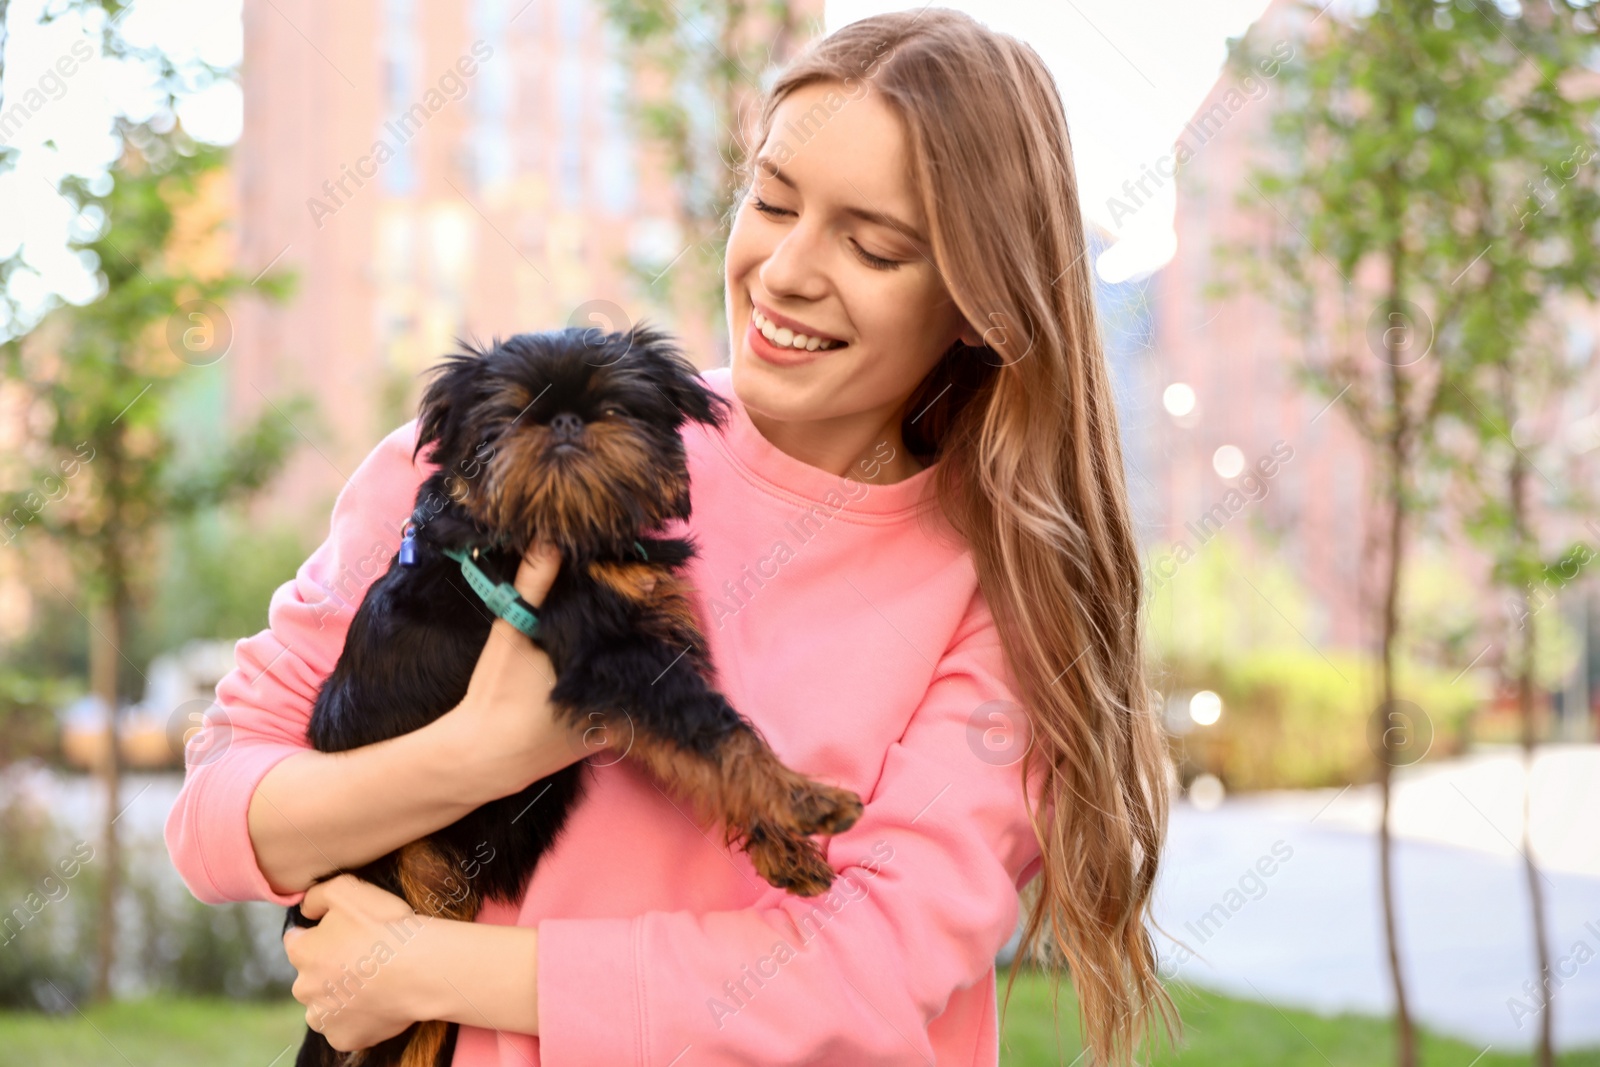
408,547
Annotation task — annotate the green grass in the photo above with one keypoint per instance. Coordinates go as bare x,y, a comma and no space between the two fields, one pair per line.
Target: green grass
170,1032
1219,1032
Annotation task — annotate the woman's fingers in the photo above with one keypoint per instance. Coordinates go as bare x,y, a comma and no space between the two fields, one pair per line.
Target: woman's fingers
537,572
314,905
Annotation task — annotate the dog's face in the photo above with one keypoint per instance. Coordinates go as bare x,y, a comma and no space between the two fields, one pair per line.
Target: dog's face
571,435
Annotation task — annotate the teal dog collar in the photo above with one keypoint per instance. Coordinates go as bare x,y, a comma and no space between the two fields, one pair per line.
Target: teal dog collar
502,598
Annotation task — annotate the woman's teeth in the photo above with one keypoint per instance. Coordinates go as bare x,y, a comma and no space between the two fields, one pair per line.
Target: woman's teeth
784,337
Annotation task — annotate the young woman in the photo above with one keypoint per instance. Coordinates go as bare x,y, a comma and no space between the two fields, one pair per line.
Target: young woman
915,527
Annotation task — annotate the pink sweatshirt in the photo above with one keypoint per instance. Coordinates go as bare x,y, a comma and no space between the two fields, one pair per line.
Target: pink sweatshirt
860,645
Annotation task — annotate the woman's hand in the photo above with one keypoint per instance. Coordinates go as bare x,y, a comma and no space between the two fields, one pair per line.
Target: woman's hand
355,992
504,728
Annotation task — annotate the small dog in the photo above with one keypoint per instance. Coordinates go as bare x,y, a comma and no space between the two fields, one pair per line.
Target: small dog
572,435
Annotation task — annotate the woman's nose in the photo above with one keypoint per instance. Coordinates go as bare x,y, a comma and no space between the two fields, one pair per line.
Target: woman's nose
792,266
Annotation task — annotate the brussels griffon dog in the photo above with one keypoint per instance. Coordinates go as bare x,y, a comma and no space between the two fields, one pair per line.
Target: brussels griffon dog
571,436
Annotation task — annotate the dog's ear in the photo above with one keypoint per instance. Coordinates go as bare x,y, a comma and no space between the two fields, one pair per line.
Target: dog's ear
672,372
456,385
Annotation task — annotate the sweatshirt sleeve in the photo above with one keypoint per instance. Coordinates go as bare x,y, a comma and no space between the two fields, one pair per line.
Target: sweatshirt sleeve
262,706
926,896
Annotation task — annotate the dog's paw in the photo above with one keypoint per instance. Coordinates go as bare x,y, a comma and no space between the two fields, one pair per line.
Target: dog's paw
825,809
789,862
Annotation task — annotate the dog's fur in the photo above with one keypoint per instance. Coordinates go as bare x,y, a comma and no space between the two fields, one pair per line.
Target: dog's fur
618,625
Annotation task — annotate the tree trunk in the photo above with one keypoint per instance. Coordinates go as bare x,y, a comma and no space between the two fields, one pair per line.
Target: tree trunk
1546,1051
104,639
111,624
1398,455
1545,1055
1407,1049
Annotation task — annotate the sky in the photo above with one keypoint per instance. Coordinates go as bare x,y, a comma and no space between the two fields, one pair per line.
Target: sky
66,121
1131,73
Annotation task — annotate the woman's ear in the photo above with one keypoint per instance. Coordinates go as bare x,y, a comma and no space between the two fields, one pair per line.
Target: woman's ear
969,335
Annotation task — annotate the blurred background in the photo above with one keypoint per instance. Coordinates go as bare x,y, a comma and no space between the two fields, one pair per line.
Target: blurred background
1346,275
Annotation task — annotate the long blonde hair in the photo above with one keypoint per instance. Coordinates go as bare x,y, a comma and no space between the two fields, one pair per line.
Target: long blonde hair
1031,475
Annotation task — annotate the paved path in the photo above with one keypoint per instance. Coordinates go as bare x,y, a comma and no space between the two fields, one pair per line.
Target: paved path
1303,926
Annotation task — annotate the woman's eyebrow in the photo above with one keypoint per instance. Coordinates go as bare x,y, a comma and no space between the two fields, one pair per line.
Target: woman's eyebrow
905,229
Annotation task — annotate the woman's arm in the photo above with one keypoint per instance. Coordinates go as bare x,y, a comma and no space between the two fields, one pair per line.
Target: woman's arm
317,812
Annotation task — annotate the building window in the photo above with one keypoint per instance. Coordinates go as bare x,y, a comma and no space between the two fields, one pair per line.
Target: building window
491,94
569,103
614,167
402,88
572,14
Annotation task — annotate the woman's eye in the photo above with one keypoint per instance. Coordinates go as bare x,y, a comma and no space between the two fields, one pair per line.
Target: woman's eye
766,208
875,262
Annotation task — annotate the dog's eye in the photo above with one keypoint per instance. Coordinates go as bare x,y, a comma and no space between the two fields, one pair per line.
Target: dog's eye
613,412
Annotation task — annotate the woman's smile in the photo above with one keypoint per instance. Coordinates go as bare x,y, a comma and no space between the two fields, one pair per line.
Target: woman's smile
791,333
772,352
786,342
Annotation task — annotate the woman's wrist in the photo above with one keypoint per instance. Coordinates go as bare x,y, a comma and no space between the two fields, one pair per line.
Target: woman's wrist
480,774
478,974
474,775
487,773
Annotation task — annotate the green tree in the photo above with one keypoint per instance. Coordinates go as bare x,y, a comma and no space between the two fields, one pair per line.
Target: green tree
103,375
1514,368
1399,129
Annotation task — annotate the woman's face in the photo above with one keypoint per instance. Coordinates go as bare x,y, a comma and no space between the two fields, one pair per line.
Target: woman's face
831,243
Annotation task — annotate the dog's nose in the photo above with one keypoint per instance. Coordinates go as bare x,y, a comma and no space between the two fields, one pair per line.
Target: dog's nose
566,427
